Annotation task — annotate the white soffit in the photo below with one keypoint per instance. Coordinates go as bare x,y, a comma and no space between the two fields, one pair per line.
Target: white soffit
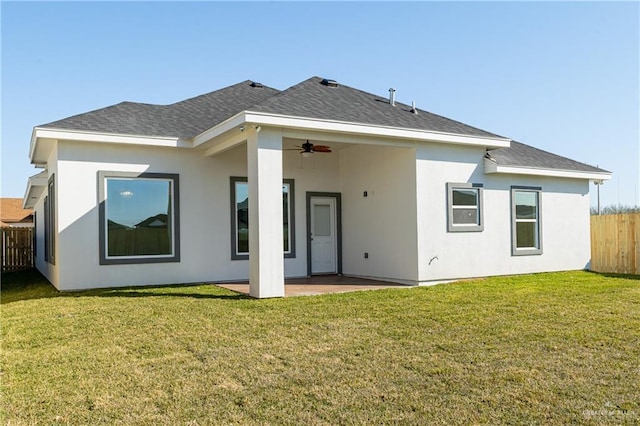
35,186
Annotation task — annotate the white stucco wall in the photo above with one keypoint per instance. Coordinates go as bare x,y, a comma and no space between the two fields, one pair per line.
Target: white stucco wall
50,271
401,224
383,224
446,255
204,212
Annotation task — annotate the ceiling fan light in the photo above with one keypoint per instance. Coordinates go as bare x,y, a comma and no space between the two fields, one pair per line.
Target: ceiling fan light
307,153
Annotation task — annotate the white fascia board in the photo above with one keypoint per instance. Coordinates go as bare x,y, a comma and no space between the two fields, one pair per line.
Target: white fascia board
75,135
225,144
491,167
371,130
40,133
227,125
290,122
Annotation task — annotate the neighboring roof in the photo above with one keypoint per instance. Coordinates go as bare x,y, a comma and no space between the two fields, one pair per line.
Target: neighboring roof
11,211
183,119
521,155
312,99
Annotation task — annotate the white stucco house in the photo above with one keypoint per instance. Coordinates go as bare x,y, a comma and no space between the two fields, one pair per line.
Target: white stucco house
249,182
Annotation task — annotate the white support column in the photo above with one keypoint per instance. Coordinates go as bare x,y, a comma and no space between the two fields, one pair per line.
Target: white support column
266,249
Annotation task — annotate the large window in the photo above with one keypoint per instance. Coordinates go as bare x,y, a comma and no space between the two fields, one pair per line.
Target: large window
139,218
526,224
240,218
464,202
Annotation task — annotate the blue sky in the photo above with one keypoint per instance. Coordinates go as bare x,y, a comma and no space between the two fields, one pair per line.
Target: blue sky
563,77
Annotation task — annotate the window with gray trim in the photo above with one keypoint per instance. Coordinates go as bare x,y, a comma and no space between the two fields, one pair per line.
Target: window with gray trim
51,220
526,224
46,228
139,218
34,235
464,202
240,218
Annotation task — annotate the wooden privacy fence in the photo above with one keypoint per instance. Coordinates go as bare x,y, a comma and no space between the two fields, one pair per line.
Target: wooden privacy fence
17,249
615,243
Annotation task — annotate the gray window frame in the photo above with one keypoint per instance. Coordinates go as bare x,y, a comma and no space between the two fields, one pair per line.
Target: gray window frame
34,236
292,219
46,228
452,227
515,251
51,218
102,223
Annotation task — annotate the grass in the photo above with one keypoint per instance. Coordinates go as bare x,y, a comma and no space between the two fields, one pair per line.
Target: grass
553,348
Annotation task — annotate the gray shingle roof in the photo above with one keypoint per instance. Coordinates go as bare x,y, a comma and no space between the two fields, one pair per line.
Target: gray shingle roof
308,99
311,99
521,155
184,119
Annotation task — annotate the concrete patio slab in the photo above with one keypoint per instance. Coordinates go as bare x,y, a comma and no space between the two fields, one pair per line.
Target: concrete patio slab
320,284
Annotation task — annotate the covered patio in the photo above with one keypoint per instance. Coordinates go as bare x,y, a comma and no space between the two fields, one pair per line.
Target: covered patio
320,284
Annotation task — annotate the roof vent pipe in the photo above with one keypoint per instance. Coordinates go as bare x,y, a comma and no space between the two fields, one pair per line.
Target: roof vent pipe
413,107
392,96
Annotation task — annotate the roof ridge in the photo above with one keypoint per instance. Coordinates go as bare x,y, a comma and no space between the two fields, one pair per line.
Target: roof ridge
282,92
220,90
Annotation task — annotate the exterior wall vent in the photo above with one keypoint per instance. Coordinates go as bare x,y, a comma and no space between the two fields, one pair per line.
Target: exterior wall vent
329,83
256,84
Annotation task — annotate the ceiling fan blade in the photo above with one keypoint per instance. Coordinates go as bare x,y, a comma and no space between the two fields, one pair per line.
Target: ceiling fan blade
321,149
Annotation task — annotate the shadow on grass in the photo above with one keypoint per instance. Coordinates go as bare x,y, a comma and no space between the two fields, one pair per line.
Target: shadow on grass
620,276
30,284
142,293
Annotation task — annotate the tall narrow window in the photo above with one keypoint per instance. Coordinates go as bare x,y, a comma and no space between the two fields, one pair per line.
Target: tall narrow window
46,228
51,218
464,207
139,219
34,240
526,223
240,218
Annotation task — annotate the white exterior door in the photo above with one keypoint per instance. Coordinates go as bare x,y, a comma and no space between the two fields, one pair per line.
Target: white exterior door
323,236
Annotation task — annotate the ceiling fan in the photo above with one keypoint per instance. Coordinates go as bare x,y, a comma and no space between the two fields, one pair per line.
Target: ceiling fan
307,148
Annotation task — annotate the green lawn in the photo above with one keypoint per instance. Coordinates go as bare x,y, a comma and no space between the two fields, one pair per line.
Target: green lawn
537,349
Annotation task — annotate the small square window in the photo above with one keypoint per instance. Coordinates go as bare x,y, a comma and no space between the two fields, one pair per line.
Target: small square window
464,202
